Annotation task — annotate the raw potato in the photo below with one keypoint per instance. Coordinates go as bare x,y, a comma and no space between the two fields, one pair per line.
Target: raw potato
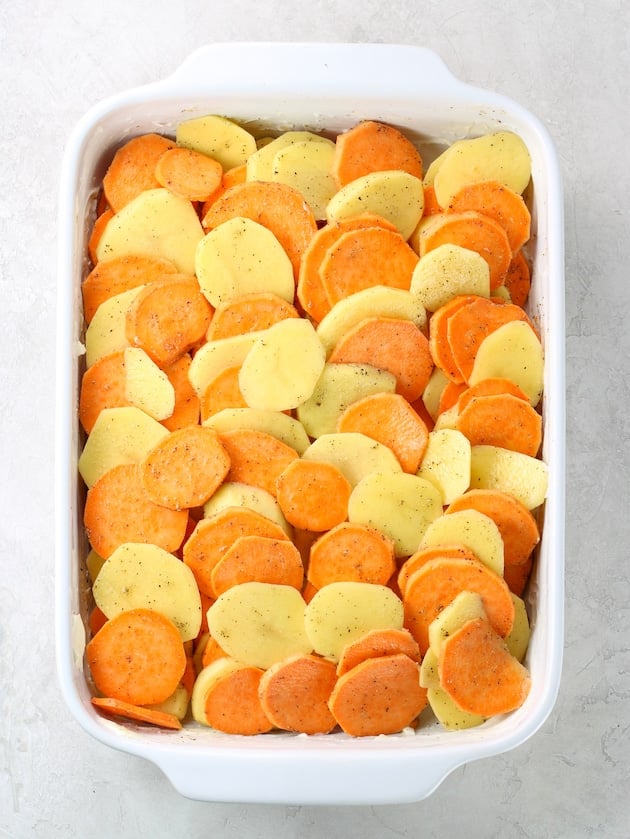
218,137
394,195
260,165
514,352
342,612
259,623
339,386
146,386
354,454
107,331
501,156
517,639
176,704
235,494
144,576
447,419
205,682
119,435
518,474
283,366
382,301
307,167
241,257
214,357
466,606
473,529
156,223
449,271
448,713
433,392
94,563
400,505
446,462
276,423
429,676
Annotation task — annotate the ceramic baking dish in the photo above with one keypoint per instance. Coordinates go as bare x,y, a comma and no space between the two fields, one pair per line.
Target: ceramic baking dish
321,87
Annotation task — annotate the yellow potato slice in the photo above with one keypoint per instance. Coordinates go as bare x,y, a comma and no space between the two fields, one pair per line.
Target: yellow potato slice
205,682
339,386
259,623
107,331
354,454
429,676
500,156
448,713
342,612
433,392
144,576
448,271
447,419
307,167
260,164
518,474
241,257
376,301
94,563
218,137
155,223
467,605
147,386
446,462
119,435
517,639
398,504
176,704
236,494
393,194
282,368
514,352
473,529
276,423
215,356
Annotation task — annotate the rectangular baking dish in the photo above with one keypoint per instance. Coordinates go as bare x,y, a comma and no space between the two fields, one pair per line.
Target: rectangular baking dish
320,87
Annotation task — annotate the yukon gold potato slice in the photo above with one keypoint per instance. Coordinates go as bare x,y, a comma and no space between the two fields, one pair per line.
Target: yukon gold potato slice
448,271
517,639
176,704
473,529
376,301
156,223
466,606
399,505
433,392
218,137
448,713
447,419
206,680
514,352
307,167
342,612
236,494
260,164
144,576
393,194
283,366
433,167
259,623
500,156
524,477
214,357
429,676
94,563
146,386
119,435
276,423
446,462
107,331
241,257
339,386
354,454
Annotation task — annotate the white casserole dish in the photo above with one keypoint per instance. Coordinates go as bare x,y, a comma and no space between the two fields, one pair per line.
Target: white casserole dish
320,87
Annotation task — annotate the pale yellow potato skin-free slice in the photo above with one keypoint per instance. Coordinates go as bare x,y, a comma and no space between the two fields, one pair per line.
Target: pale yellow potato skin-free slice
155,223
307,167
342,612
448,713
144,576
467,605
433,392
205,682
146,385
517,639
107,331
218,137
236,494
176,704
259,623
392,194
429,676
119,435
525,477
473,529
446,272
283,366
260,164
398,504
447,419
446,462
241,257
278,424
214,357
94,563
354,454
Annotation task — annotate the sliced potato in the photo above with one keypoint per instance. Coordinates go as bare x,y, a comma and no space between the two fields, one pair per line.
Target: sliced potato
518,474
448,713
94,563
433,392
218,137
354,454
144,576
119,435
283,366
339,386
393,194
307,167
473,529
235,494
381,301
260,165
259,623
241,257
205,682
342,612
107,331
156,223
276,423
514,352
146,385
398,504
429,675
447,419
517,639
432,168
215,356
448,271
446,462
176,704
467,605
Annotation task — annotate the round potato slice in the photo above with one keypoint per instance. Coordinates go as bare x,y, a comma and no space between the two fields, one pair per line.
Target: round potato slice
448,271
218,137
214,357
354,454
473,529
276,423
260,165
107,331
446,462
206,681
524,477
236,494
307,167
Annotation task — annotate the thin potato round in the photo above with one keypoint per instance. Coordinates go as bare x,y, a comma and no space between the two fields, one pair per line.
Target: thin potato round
473,529
307,167
206,679
276,423
146,385
524,477
446,462
218,137
260,165
355,454
447,271
107,331
236,494
214,357
467,605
